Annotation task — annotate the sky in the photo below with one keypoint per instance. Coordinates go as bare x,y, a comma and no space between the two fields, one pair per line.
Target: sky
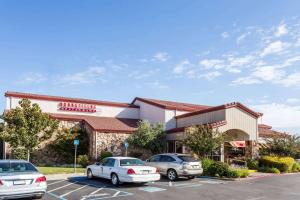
203,52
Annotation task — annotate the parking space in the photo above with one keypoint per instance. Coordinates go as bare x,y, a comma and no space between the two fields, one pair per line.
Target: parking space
84,189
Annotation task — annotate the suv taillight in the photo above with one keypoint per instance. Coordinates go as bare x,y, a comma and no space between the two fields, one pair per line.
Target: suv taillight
130,171
40,179
1,183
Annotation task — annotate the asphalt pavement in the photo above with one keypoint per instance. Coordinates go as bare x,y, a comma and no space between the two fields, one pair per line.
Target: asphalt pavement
278,187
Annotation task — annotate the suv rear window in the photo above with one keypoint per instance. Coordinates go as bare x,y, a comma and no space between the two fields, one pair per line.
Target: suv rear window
16,167
187,159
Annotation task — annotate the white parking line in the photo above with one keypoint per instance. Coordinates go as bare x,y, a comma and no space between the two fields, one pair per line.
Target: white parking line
63,195
91,194
116,194
63,186
55,182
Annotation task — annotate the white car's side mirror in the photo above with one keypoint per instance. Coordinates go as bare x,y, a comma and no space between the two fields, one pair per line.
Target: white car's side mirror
98,164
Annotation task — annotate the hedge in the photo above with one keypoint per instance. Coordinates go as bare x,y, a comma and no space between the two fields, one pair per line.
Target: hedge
283,164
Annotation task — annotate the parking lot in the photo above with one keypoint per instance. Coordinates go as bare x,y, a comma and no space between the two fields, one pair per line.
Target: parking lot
268,188
84,189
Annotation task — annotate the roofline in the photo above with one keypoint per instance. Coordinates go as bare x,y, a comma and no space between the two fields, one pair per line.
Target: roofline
159,105
80,119
182,129
68,99
221,107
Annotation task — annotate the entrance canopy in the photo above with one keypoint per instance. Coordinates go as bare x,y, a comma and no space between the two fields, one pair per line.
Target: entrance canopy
238,144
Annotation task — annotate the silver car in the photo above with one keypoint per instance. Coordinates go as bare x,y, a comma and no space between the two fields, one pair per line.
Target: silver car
176,165
20,179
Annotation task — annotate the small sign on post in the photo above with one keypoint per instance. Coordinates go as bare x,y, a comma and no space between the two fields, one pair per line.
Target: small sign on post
126,145
76,143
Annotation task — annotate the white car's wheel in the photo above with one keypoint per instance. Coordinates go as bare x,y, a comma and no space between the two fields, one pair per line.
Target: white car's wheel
115,179
89,174
172,175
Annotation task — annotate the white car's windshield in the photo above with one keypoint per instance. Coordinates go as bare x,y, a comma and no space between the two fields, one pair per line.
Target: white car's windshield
9,167
131,162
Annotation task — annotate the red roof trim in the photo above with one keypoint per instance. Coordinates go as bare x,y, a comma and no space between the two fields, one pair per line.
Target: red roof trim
68,99
225,106
192,107
213,125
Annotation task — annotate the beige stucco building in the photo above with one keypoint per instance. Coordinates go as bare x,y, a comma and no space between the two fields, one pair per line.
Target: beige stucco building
110,123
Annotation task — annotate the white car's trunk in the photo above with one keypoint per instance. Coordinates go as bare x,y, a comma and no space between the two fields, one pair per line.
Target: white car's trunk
142,169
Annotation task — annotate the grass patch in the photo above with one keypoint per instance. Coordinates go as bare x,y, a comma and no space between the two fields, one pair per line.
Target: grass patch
59,170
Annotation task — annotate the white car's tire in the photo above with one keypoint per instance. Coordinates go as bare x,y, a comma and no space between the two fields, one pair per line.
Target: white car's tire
115,179
172,175
89,174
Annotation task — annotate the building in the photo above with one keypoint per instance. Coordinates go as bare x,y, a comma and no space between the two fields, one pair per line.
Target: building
110,123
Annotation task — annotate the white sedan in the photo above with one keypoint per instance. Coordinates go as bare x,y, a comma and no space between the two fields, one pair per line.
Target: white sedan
123,169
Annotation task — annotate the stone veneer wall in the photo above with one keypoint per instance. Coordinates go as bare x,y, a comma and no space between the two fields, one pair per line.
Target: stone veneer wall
112,142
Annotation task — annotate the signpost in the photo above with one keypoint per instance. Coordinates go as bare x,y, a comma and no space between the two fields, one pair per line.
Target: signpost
76,143
126,145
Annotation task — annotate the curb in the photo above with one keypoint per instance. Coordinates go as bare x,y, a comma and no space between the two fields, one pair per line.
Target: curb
53,177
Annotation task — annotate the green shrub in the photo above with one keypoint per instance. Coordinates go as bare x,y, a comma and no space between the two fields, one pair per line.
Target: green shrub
83,160
252,164
218,169
105,154
233,173
237,173
283,164
296,167
269,170
206,163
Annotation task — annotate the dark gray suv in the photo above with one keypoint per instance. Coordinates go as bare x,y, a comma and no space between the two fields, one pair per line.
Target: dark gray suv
176,165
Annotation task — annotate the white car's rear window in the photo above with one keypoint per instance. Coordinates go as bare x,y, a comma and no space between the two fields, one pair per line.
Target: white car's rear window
9,167
131,162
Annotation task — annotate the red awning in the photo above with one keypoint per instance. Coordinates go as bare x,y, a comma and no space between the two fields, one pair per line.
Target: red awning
238,144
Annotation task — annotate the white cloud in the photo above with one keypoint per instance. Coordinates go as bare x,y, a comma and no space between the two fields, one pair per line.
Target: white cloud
211,75
281,30
181,67
158,85
292,100
212,63
290,80
248,80
32,77
274,48
297,44
161,56
268,73
143,74
242,37
279,115
290,61
89,76
225,35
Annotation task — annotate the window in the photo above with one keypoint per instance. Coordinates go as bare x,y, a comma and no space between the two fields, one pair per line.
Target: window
171,146
131,162
187,158
110,162
16,167
154,159
167,159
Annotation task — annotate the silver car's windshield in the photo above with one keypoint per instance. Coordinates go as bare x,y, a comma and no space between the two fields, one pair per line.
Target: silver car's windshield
187,158
16,167
131,162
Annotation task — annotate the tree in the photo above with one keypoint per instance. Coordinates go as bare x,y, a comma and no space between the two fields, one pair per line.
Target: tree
64,143
147,136
202,140
26,127
283,145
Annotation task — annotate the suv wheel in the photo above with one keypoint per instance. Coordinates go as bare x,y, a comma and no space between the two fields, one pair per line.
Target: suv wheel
172,175
191,177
